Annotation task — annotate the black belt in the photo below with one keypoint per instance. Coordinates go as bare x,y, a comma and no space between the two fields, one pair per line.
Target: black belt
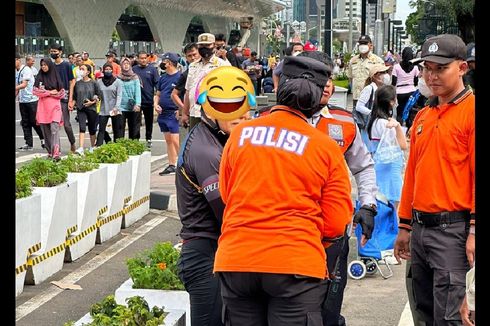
442,218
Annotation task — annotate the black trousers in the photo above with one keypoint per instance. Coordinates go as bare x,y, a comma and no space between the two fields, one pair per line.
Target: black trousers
66,121
134,123
196,265
331,310
439,267
402,100
28,121
148,113
267,299
117,128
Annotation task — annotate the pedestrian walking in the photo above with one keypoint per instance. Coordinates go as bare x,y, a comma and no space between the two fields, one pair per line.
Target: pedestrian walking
437,208
131,99
24,82
49,88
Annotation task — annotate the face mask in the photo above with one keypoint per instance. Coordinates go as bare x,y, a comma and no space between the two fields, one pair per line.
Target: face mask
83,73
107,74
424,89
163,66
386,79
79,74
54,56
296,53
206,52
363,48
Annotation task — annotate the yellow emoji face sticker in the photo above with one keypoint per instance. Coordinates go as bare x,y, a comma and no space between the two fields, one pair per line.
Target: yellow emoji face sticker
226,93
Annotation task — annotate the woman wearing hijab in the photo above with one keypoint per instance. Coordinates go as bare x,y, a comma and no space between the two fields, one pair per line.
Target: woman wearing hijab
404,78
49,88
111,89
131,98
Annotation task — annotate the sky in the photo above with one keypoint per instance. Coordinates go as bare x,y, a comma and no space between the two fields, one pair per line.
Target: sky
403,10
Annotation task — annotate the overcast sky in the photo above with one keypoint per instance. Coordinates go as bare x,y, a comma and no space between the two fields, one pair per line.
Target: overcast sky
403,10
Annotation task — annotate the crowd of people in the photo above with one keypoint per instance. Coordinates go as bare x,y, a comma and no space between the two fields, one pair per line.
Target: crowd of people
262,243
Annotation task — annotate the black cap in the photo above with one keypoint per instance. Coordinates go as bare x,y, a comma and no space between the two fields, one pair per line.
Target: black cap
253,53
470,52
364,39
308,68
110,54
443,49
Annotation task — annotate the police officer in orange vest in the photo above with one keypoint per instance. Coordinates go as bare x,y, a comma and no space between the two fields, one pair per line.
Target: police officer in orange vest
340,126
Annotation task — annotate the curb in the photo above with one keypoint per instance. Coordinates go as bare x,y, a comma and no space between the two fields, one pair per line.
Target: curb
159,199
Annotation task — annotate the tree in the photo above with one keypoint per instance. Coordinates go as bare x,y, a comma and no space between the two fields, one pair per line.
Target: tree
458,11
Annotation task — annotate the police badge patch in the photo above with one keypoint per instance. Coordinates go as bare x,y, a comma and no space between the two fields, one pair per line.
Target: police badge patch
336,133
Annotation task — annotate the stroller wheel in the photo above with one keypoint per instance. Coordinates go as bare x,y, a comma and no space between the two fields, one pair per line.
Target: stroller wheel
371,267
356,269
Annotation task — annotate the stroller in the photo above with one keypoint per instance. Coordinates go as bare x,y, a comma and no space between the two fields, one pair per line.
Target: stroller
379,249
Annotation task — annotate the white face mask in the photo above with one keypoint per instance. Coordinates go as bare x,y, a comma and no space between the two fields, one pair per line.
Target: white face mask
296,53
386,79
424,89
363,48
80,74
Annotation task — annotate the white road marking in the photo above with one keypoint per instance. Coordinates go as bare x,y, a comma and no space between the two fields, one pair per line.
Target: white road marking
28,157
406,317
40,299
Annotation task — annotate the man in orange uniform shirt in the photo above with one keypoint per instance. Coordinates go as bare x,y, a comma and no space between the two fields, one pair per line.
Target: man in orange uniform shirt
437,207
287,194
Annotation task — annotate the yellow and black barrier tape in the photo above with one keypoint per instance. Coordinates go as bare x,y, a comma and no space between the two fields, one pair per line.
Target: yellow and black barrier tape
22,268
102,210
137,203
36,260
34,248
69,231
82,235
127,200
109,218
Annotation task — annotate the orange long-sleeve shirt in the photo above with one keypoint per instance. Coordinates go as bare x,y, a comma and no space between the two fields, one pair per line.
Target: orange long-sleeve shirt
286,187
440,173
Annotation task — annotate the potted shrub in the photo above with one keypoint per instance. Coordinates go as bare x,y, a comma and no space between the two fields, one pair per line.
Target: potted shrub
92,199
136,311
27,226
154,277
139,205
115,158
58,197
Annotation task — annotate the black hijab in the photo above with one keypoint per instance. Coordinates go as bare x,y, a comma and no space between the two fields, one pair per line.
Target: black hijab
49,79
108,81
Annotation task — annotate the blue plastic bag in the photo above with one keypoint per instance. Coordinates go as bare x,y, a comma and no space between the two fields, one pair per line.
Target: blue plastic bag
385,230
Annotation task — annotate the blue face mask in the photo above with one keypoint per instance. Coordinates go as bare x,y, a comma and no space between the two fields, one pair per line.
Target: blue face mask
107,74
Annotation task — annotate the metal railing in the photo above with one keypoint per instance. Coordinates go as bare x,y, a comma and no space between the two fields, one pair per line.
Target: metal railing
38,45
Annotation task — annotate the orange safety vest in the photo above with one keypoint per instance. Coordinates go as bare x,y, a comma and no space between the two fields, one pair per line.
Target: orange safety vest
340,127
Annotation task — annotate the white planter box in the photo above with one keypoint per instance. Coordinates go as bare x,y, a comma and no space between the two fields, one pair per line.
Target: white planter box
118,190
57,218
174,318
167,298
92,198
139,205
27,235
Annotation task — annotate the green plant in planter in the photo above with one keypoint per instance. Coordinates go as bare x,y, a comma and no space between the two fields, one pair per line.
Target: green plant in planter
77,163
133,146
156,268
44,173
109,313
109,153
23,185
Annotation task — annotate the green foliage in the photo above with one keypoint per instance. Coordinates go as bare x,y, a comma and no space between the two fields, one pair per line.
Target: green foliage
23,185
132,146
109,313
44,173
109,153
77,163
156,268
341,83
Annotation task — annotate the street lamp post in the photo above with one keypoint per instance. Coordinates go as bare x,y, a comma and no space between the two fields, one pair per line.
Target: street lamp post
394,22
396,36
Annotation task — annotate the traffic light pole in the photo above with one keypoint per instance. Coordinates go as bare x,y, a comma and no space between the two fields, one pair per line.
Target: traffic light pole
327,43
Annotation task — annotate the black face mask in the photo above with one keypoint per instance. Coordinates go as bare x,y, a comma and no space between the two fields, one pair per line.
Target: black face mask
163,66
54,56
206,53
107,74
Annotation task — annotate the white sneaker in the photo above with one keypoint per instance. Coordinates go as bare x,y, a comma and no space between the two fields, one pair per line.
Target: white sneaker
91,149
79,151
